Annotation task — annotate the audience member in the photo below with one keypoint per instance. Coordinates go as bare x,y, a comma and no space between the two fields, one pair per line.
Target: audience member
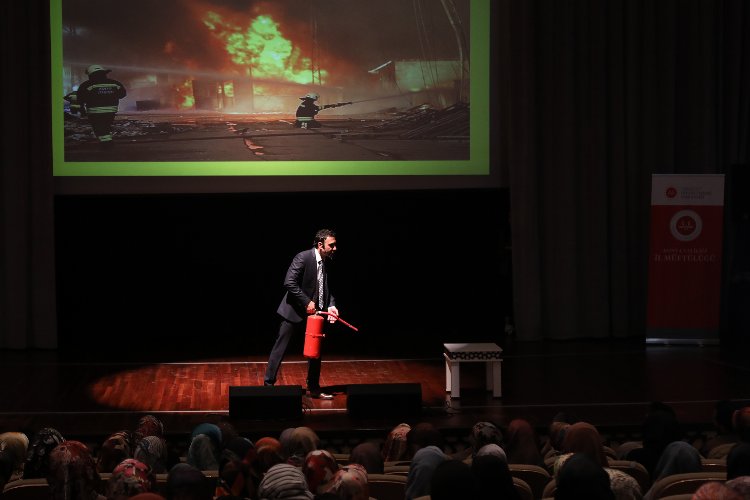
493,477
37,455
714,490
422,467
129,478
72,473
319,469
185,482
205,446
284,481
678,457
738,461
115,449
152,451
148,425
236,478
659,428
395,447
722,420
484,433
583,438
350,483
299,442
522,443
268,453
421,435
453,479
582,477
15,444
741,422
368,455
740,485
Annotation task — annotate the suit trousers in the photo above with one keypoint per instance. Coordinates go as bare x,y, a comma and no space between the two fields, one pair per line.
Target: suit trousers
286,330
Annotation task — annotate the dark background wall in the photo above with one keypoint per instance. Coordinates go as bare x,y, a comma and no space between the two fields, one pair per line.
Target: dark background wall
203,274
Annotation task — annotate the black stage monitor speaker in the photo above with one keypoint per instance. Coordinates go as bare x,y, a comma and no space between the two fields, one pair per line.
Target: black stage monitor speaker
379,400
265,402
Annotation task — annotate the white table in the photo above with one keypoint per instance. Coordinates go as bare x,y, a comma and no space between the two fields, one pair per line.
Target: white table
488,353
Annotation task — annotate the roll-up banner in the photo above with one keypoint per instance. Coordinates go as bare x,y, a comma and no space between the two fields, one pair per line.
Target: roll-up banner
684,279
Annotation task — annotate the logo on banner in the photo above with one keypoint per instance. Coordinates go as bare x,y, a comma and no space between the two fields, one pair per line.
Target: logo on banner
686,225
671,192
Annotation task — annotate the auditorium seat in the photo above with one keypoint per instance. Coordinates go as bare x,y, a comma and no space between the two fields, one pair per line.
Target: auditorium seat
387,486
714,464
682,484
26,489
536,477
523,489
402,470
634,469
720,451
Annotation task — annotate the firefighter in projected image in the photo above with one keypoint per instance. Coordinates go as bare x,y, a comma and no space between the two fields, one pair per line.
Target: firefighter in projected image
308,109
99,96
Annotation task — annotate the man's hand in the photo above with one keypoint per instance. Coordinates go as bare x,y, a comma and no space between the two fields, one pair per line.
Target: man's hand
310,309
333,310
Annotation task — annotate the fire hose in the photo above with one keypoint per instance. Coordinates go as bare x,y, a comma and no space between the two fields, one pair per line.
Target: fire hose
314,333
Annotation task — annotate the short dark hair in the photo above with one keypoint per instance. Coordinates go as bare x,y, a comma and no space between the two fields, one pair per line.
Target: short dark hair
322,234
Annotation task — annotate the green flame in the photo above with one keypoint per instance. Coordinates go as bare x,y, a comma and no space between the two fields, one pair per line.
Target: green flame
262,49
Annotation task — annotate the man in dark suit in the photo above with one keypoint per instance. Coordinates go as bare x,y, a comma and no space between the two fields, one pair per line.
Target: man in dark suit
303,282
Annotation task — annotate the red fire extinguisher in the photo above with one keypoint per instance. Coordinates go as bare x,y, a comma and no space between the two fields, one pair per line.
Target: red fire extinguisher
314,333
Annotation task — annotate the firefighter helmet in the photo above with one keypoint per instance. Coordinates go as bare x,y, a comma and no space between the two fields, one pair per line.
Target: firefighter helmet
312,96
94,68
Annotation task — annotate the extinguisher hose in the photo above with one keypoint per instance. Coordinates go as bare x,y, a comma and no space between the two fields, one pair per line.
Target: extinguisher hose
339,319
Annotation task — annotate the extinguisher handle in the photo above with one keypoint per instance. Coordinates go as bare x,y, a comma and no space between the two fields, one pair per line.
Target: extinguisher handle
338,318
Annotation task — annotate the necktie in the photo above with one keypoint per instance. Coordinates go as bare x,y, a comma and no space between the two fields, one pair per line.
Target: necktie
321,299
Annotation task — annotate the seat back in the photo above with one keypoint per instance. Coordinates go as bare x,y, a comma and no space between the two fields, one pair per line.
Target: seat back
387,486
536,477
549,490
681,484
720,451
634,469
714,464
26,489
396,469
523,489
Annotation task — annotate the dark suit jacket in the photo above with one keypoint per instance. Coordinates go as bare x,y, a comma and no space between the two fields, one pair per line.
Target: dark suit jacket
301,282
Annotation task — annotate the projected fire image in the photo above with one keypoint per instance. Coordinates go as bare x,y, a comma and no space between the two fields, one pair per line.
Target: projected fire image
259,81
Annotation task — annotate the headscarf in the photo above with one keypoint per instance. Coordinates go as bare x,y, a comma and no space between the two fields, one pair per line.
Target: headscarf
72,472
350,483
557,432
210,430
302,440
424,434
268,453
15,444
235,474
678,457
149,425
522,444
284,481
37,456
493,478
202,453
714,490
494,450
319,469
453,479
741,485
152,451
188,483
130,478
483,433
114,450
738,461
583,437
367,455
421,470
582,477
395,447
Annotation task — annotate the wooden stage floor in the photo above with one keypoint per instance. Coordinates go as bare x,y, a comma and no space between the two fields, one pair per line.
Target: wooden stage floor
609,384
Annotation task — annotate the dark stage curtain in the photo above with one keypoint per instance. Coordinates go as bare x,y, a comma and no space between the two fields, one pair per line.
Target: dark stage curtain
593,97
599,95
27,307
